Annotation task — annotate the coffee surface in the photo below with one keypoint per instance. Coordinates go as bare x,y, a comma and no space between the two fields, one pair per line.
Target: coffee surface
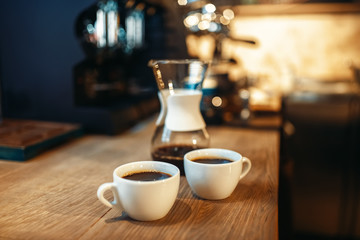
212,160
146,176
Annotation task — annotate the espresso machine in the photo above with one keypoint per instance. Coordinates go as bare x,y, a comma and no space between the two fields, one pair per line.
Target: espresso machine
118,39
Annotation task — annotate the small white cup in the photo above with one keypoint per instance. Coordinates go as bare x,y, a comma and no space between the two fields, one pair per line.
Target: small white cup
142,200
215,181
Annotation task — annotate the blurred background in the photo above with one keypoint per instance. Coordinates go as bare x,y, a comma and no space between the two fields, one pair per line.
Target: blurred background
53,69
287,65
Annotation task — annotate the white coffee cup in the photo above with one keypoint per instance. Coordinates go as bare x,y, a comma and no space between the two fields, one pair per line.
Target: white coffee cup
142,200
215,181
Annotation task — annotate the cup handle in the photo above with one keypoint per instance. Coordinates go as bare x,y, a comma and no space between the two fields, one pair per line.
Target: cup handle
246,168
106,187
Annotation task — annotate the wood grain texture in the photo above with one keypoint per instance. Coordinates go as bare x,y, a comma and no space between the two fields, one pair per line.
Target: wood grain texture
53,196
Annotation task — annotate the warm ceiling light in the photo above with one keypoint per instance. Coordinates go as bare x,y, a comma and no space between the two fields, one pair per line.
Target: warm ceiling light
216,101
182,2
224,20
206,16
191,20
203,25
210,8
228,14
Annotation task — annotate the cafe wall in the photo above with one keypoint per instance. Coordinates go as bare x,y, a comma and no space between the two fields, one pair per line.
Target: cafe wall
315,46
280,47
38,50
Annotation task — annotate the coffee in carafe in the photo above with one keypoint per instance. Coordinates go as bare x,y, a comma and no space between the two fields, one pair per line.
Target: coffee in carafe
180,126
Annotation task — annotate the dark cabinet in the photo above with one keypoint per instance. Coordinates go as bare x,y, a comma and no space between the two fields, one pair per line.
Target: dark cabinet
321,162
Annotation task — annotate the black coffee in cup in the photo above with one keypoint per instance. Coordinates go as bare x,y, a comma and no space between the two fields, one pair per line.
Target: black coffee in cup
210,160
146,176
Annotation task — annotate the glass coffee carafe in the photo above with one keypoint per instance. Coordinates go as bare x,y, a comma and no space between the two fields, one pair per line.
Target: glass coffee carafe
180,126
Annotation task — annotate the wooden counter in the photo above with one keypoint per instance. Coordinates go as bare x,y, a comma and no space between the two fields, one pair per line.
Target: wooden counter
53,196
